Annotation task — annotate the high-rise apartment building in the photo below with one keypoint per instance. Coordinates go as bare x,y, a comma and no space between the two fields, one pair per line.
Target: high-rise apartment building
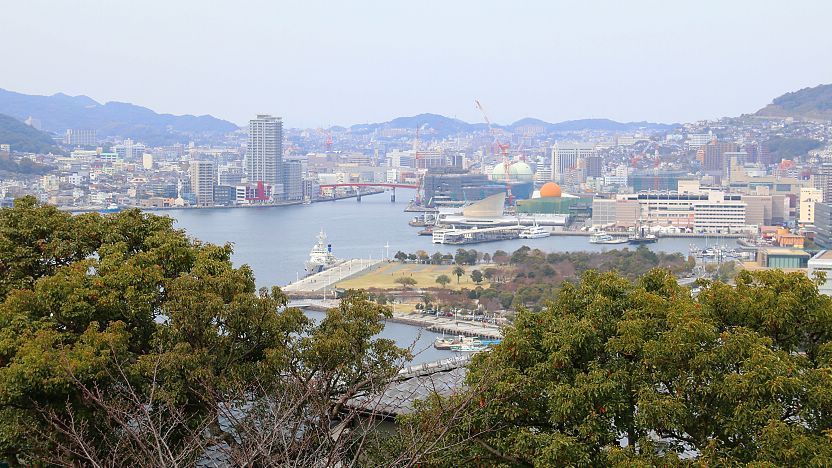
264,155
203,181
594,166
809,196
293,180
80,137
822,180
714,158
565,156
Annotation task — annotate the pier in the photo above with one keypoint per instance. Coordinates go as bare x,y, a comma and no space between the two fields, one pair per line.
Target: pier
449,325
446,325
323,283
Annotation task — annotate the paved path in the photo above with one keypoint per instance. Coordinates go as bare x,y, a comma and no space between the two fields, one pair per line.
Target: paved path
449,325
324,281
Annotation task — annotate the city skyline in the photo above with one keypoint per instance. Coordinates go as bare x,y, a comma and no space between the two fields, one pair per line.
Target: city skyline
550,61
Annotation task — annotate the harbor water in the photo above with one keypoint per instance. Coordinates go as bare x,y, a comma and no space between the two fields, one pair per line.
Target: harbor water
275,241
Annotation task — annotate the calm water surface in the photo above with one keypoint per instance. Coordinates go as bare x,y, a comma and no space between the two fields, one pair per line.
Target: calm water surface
275,241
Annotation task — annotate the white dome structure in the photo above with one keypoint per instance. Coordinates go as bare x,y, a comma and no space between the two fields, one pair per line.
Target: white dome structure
520,172
517,172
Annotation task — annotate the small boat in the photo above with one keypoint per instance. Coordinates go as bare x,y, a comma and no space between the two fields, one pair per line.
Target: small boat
473,348
641,236
417,221
443,343
535,232
428,231
604,238
111,208
462,344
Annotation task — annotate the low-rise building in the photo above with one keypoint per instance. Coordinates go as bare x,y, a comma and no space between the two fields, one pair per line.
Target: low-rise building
783,258
822,263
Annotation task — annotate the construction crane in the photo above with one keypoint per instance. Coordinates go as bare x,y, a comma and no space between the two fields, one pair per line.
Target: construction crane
418,157
503,150
328,136
502,146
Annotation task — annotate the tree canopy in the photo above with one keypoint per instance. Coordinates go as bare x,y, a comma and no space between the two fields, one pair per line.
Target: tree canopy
620,373
111,322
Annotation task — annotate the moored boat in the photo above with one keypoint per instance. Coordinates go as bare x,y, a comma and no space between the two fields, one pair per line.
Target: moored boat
604,238
535,232
321,257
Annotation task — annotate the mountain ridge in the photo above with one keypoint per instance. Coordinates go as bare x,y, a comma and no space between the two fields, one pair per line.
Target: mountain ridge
808,103
25,139
60,111
448,125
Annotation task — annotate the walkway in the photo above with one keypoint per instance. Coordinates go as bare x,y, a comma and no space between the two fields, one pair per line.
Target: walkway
323,282
449,325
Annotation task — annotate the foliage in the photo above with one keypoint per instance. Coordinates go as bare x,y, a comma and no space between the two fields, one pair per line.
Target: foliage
405,281
807,102
791,148
476,276
443,280
635,374
458,271
104,320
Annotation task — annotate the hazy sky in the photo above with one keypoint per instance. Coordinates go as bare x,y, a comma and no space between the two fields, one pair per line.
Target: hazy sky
342,62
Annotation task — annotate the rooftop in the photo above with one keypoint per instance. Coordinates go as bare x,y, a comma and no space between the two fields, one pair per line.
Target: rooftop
785,251
825,255
416,383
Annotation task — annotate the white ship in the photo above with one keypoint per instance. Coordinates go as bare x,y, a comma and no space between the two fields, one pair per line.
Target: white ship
604,238
535,232
321,257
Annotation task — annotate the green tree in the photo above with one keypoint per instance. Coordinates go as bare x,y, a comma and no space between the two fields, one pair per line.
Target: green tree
443,280
458,271
621,373
400,256
427,300
119,335
500,257
405,281
476,276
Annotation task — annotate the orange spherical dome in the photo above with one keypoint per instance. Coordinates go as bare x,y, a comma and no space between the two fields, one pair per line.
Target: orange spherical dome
550,190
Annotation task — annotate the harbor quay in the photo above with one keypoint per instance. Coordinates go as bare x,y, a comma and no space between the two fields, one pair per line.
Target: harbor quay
446,325
323,283
449,325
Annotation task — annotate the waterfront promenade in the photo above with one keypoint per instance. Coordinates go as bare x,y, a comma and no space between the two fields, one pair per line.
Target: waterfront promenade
449,325
446,325
321,284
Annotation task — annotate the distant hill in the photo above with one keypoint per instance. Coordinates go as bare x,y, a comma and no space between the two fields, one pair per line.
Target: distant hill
807,103
592,124
60,112
444,126
439,123
24,138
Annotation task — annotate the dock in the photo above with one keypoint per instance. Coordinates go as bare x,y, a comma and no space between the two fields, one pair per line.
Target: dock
323,283
476,235
446,325
449,325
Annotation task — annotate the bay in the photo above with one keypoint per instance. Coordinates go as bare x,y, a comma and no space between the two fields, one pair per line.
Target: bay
275,241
